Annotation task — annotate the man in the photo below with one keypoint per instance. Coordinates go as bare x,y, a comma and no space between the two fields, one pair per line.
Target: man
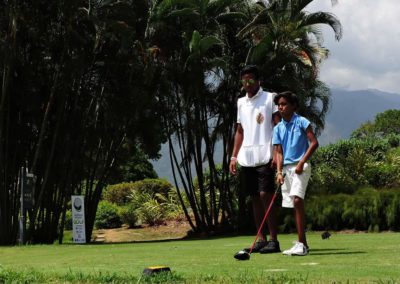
256,116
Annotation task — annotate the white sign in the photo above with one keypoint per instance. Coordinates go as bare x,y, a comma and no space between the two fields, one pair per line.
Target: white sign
78,219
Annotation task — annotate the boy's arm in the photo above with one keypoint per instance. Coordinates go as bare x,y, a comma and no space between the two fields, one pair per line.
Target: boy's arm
278,153
236,147
311,149
276,118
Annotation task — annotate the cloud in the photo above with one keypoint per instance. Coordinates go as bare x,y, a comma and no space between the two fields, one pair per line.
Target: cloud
368,55
341,75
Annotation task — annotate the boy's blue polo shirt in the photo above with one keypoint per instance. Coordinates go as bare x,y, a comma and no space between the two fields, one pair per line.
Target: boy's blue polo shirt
293,138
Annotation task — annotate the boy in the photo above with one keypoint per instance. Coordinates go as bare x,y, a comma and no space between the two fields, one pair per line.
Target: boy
294,143
253,150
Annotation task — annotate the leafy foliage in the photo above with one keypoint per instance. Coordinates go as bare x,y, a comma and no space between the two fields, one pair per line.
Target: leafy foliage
366,208
162,187
383,175
68,220
148,208
134,166
349,164
107,216
150,201
154,208
128,215
385,123
118,193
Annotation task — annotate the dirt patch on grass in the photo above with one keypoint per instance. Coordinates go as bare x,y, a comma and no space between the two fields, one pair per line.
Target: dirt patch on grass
170,230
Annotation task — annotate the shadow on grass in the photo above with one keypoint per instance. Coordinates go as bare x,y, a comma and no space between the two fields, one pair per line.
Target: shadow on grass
333,252
183,239
326,249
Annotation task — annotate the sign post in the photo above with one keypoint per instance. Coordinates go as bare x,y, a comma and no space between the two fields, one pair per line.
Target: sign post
22,224
78,219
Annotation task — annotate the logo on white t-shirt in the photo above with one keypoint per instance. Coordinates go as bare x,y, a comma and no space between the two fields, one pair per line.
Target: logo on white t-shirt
260,118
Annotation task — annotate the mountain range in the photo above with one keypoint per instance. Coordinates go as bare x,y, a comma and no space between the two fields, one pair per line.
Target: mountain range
347,111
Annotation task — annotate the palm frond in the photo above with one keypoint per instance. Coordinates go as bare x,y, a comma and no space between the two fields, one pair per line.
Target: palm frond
324,18
207,42
297,6
229,17
218,6
168,5
185,12
195,41
263,17
261,49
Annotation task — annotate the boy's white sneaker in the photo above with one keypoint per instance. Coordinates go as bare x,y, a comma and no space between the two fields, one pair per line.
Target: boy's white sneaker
297,249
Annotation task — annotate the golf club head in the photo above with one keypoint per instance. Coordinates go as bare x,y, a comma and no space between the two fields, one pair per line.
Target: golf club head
242,255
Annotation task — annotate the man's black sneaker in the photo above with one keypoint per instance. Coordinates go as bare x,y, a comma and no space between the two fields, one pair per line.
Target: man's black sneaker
270,247
257,246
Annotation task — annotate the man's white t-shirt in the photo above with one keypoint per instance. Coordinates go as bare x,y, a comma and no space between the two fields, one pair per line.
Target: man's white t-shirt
255,116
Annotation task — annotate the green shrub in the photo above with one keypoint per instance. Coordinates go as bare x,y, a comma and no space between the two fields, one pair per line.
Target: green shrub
372,148
287,224
128,215
359,210
154,201
324,212
328,180
172,204
393,140
118,193
107,216
393,212
382,175
366,209
153,186
148,208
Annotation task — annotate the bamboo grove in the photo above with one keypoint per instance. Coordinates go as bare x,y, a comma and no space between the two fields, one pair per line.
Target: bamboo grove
82,82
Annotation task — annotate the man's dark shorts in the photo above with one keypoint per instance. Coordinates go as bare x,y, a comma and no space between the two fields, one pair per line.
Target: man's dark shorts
256,179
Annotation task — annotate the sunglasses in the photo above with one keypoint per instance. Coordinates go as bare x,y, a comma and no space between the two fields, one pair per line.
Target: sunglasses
250,81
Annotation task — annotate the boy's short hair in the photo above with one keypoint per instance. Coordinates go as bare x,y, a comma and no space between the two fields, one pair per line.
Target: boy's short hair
289,96
250,69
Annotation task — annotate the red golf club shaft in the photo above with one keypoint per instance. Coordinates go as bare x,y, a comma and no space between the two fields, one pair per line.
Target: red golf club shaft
266,214
262,223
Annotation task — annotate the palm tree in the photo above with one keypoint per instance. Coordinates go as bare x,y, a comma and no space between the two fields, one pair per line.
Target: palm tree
190,38
287,44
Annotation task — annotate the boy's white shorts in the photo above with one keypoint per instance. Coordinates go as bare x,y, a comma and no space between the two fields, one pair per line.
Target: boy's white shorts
294,185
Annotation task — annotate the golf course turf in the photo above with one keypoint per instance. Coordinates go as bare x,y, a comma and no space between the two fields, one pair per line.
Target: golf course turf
343,258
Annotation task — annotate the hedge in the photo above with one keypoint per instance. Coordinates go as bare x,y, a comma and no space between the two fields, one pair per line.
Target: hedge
365,209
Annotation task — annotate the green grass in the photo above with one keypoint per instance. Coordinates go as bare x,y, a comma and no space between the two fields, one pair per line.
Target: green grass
344,258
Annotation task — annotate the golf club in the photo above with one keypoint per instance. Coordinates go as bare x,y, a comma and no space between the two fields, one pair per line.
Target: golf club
245,255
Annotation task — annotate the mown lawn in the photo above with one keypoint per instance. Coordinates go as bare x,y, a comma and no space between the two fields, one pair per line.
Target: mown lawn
344,258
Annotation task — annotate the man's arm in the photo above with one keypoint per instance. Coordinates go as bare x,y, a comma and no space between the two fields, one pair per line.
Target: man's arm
236,147
311,149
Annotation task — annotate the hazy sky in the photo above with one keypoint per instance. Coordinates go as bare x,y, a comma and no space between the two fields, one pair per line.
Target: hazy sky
368,55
